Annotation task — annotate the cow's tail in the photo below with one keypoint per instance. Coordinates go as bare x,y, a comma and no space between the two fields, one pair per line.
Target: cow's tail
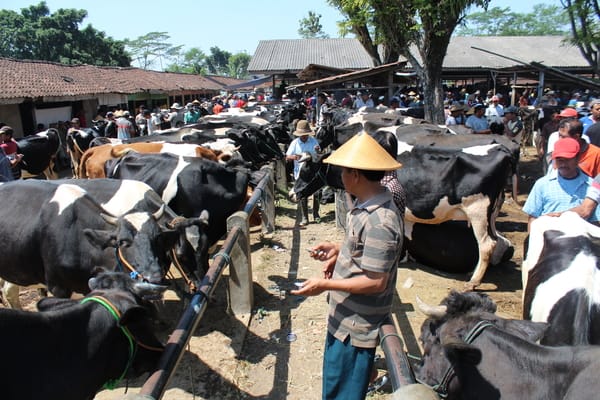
81,168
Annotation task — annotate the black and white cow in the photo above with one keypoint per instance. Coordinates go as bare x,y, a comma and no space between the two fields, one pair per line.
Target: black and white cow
78,141
56,234
471,353
39,152
447,178
188,185
561,279
79,346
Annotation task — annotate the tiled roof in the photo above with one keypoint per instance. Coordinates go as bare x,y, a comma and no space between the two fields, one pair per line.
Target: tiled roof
22,79
293,55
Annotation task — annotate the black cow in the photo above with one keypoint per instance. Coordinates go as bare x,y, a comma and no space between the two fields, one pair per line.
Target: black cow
188,185
72,348
78,141
57,234
560,283
39,151
256,145
471,353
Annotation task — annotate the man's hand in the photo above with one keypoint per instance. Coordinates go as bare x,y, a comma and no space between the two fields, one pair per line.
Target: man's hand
310,287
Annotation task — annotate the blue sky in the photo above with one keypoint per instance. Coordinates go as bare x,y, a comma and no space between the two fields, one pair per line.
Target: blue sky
232,25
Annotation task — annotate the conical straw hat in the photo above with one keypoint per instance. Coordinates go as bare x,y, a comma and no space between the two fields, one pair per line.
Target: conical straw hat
363,152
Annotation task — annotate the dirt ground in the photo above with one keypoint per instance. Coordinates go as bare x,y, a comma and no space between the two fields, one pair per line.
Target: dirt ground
255,357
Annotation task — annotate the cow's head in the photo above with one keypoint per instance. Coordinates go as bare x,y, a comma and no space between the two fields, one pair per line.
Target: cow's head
141,245
449,338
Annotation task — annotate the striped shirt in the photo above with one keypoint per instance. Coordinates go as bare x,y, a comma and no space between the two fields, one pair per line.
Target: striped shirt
373,243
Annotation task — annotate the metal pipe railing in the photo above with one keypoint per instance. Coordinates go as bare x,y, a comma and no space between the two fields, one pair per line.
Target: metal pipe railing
399,369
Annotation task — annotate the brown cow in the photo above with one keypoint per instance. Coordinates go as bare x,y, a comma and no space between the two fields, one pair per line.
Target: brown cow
93,159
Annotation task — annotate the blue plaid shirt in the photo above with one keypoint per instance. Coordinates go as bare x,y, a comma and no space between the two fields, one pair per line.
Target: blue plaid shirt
553,193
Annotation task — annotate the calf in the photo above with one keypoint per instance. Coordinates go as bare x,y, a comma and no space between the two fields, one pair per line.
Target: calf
471,353
71,348
561,279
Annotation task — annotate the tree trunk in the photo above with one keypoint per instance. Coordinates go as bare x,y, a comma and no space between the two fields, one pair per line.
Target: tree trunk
433,93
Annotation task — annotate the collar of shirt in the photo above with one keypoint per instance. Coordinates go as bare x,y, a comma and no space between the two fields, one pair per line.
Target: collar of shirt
374,202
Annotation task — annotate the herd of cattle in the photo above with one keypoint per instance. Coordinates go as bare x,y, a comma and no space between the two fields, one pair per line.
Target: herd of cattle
164,199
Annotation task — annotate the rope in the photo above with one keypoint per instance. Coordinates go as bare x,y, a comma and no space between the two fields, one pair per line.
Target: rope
225,256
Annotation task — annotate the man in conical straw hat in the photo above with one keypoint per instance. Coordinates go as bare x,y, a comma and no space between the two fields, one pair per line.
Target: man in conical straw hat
360,274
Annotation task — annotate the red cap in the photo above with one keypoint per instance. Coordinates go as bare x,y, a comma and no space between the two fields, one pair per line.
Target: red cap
565,148
568,113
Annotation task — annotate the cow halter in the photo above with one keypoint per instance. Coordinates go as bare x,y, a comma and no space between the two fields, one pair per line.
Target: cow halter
133,343
442,388
122,262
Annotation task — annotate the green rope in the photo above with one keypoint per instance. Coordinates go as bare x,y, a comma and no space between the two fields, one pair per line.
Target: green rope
112,383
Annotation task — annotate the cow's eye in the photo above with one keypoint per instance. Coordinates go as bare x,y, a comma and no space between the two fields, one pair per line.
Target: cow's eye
124,243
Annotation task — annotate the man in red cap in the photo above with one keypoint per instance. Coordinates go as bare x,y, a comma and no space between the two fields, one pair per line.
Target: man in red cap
566,114
562,189
589,155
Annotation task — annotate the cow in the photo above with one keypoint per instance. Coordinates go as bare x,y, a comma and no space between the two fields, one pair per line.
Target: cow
78,141
39,152
447,178
77,346
188,185
560,283
471,353
56,234
93,160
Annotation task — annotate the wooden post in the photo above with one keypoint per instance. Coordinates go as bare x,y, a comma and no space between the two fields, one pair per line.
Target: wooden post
241,291
267,199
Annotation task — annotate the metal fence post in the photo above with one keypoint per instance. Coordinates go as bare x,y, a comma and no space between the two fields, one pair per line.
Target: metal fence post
241,292
267,199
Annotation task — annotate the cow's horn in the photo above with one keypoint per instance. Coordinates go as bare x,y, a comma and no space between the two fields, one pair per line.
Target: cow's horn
431,311
159,212
109,218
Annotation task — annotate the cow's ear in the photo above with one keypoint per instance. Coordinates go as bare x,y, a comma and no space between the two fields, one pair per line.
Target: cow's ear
54,303
102,239
460,353
528,330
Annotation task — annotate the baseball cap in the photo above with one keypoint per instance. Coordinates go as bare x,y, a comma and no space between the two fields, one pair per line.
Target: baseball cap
568,113
565,148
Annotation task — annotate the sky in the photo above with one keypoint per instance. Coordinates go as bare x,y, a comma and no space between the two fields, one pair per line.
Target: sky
232,25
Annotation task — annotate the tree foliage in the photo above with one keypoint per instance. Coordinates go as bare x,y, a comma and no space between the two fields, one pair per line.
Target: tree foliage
584,17
151,49
195,61
420,30
218,61
543,20
311,28
37,34
238,65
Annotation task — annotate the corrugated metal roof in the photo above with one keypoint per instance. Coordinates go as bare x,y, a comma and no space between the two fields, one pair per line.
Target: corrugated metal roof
549,50
277,56
294,55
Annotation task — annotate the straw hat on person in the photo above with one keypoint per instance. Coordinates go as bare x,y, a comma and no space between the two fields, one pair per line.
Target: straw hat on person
303,128
363,152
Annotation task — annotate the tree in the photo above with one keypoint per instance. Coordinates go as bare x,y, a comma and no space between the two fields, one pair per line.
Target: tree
35,34
584,16
311,28
192,61
420,30
218,61
238,65
152,48
543,20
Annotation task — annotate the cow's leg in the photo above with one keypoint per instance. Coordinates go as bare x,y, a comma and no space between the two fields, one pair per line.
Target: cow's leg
10,294
477,214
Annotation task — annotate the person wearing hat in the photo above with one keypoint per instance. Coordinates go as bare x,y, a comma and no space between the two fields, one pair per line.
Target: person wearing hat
360,273
125,128
477,121
192,114
323,110
304,143
173,117
9,158
457,115
563,190
513,127
568,113
110,130
363,99
589,154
